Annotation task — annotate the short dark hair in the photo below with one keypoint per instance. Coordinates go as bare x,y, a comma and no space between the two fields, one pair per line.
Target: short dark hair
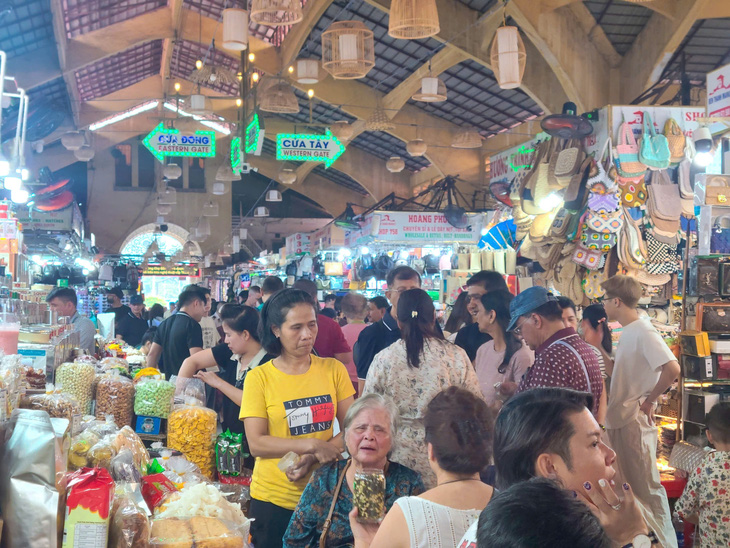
243,294
156,311
242,318
565,302
354,306
550,311
65,294
540,513
189,296
330,297
254,288
402,272
531,423
271,285
718,422
308,286
490,280
274,312
149,336
379,302
204,290
458,425
416,315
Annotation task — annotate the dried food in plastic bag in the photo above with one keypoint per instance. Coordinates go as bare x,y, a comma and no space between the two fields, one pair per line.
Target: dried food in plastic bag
112,363
153,397
88,508
77,379
129,526
124,469
81,444
192,429
155,488
86,358
100,427
205,532
57,404
126,438
187,389
101,453
115,396
203,500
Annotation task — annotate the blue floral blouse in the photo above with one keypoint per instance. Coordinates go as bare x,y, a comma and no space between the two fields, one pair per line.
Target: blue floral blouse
306,523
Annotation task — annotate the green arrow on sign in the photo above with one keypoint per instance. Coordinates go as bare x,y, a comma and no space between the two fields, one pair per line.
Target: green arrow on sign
287,142
163,141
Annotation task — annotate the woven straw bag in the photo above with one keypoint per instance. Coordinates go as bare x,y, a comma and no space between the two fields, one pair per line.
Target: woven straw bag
565,163
675,139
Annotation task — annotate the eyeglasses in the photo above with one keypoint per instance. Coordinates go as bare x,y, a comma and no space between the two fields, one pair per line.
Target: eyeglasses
518,330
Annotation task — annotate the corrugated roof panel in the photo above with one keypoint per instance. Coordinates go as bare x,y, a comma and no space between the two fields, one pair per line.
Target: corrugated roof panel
384,146
340,178
27,25
82,16
119,71
621,21
187,53
479,5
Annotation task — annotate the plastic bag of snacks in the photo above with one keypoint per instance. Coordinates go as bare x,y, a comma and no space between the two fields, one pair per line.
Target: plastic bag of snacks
230,454
124,469
57,404
182,472
85,358
108,364
76,379
203,500
191,429
129,527
81,444
147,372
155,488
196,531
153,397
101,453
115,396
126,438
88,508
187,389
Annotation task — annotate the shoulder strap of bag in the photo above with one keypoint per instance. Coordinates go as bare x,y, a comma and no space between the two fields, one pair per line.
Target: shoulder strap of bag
648,125
335,496
580,359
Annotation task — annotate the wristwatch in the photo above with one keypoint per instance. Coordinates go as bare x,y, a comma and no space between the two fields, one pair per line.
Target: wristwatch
643,541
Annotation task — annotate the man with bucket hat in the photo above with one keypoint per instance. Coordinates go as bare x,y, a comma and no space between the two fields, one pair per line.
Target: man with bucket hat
562,358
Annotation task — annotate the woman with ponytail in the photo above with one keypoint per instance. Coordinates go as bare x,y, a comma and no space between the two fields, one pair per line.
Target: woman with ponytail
500,362
596,332
412,371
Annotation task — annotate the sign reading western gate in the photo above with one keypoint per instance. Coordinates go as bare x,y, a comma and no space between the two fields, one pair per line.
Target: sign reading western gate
309,148
163,141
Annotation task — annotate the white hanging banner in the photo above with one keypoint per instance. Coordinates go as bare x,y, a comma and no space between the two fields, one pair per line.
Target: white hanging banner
423,228
718,92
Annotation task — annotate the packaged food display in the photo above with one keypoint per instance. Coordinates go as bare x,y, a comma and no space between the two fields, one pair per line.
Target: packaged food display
76,379
200,532
155,487
101,453
88,508
81,444
369,495
127,439
153,397
115,396
124,469
57,404
191,429
108,364
129,527
187,389
202,500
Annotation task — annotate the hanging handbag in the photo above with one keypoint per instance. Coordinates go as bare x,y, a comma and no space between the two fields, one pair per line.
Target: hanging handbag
653,148
565,163
627,153
588,258
664,201
537,186
335,496
605,222
592,284
720,237
675,140
633,191
541,225
661,258
575,193
561,225
603,203
599,241
604,179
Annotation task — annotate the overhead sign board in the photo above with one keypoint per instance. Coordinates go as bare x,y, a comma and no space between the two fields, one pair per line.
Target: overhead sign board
718,92
423,228
254,142
309,148
163,141
177,270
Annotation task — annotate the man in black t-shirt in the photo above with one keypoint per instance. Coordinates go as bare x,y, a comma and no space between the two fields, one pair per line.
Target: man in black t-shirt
114,297
470,338
133,326
179,336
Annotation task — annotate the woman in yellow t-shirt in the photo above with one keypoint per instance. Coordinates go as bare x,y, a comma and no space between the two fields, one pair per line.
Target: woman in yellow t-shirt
289,404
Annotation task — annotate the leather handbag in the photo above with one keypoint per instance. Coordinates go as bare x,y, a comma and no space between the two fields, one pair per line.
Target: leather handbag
627,153
565,163
653,148
720,237
599,241
675,140
633,191
717,190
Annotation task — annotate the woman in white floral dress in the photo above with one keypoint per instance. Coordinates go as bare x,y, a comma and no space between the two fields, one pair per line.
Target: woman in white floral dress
412,371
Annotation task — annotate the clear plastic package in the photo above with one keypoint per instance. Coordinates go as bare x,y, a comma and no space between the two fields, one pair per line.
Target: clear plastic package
153,397
191,429
77,379
369,495
115,396
129,526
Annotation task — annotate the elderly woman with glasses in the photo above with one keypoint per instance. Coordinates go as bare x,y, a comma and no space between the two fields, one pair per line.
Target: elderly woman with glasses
370,425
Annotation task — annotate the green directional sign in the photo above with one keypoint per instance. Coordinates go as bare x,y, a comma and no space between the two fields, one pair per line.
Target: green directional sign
163,141
309,148
254,142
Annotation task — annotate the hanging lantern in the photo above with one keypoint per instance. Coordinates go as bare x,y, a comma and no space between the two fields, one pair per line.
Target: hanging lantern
395,164
508,57
84,153
219,258
273,196
225,174
416,147
276,13
235,29
467,138
72,140
348,50
280,99
210,209
342,130
413,19
163,209
172,171
227,250
243,233
236,243
379,121
197,103
219,188
168,196
287,176
261,212
307,71
433,90
195,236
209,260
204,226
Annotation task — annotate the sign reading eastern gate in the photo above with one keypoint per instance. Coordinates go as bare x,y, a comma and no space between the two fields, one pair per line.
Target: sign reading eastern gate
309,148
163,141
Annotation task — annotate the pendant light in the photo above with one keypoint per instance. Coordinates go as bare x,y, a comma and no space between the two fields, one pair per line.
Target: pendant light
235,29
467,138
508,57
219,188
168,196
236,243
72,140
84,153
413,19
276,13
225,174
287,176
204,227
172,171
163,209
395,164
243,233
210,209
261,212
279,99
348,50
416,147
433,90
342,130
379,120
273,196
306,71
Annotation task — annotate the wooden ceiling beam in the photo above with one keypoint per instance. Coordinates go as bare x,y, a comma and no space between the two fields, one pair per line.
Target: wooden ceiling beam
299,34
644,63
667,8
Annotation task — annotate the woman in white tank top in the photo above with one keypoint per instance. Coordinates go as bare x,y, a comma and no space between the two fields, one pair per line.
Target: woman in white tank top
459,439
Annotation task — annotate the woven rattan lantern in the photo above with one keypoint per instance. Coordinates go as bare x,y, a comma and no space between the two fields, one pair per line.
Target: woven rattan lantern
210,209
235,29
342,130
348,50
395,164
171,171
433,90
276,13
306,71
416,147
279,99
379,121
508,57
220,188
413,19
287,176
467,138
72,140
